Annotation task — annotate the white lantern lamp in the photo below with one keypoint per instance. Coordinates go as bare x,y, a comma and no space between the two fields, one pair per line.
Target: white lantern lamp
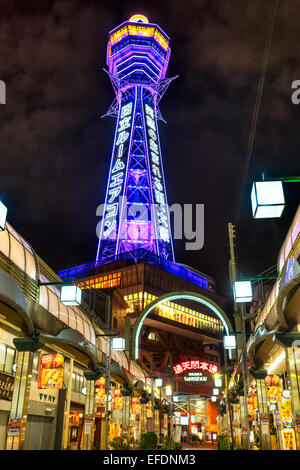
229,342
242,291
158,382
70,295
118,344
267,199
218,382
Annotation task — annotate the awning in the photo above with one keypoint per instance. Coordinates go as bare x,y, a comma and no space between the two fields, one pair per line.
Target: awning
119,374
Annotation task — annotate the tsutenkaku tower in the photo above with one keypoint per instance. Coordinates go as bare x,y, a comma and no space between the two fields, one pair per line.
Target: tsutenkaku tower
135,212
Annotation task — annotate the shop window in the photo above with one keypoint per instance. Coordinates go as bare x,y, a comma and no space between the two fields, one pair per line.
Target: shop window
7,358
78,385
73,381
77,382
153,336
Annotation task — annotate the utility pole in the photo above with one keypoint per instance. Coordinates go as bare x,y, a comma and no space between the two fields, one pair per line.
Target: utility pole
152,392
239,317
229,421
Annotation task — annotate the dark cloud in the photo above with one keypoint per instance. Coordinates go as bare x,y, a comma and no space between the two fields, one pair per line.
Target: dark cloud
55,149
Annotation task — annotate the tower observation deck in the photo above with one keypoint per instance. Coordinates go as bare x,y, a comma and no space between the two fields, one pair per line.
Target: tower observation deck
136,214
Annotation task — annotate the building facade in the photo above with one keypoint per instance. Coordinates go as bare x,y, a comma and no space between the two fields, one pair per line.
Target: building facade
274,357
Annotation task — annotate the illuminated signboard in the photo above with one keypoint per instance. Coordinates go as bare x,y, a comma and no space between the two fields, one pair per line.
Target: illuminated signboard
100,391
118,398
117,172
162,216
195,365
136,405
195,377
51,373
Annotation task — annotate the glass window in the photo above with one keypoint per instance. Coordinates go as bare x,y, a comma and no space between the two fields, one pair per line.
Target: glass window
4,242
73,380
30,265
9,360
2,355
53,303
43,297
80,381
17,254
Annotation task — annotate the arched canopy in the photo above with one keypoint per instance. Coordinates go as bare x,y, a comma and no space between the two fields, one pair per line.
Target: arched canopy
201,299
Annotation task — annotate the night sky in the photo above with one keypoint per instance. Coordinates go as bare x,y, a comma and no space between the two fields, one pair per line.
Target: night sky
55,149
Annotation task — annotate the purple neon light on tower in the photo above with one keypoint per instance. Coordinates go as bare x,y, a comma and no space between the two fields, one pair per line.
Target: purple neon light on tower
135,213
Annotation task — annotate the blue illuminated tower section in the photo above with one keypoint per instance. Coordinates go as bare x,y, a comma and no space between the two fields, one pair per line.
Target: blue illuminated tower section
135,212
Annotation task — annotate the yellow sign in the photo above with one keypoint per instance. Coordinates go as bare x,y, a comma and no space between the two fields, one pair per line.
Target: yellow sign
100,391
51,372
288,439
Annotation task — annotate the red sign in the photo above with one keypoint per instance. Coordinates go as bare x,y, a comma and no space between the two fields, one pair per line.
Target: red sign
195,365
51,372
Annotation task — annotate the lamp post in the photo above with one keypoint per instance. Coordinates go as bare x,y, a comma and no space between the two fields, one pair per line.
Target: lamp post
117,346
159,384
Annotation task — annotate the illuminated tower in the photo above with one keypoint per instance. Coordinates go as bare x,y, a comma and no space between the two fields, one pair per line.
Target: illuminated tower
135,212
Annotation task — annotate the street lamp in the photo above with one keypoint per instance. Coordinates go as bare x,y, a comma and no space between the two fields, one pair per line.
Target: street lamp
70,295
229,342
3,214
215,391
213,398
168,390
118,344
242,291
267,199
218,382
158,382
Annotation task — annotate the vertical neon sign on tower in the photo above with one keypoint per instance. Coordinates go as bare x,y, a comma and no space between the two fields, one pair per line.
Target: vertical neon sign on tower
135,212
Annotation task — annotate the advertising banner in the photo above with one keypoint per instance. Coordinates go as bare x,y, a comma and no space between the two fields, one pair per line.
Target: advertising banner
288,439
118,399
51,372
13,427
149,410
100,391
136,405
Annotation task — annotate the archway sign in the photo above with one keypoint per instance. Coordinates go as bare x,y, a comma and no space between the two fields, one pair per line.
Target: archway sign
201,299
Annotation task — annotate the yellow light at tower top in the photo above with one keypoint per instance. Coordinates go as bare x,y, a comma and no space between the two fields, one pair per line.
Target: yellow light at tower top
138,17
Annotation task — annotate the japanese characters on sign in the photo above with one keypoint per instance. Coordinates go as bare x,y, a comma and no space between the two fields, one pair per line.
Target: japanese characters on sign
117,176
136,405
118,399
6,387
100,391
157,175
195,377
195,365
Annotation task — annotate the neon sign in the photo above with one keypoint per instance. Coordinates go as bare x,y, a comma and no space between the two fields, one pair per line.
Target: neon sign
157,176
195,365
116,181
